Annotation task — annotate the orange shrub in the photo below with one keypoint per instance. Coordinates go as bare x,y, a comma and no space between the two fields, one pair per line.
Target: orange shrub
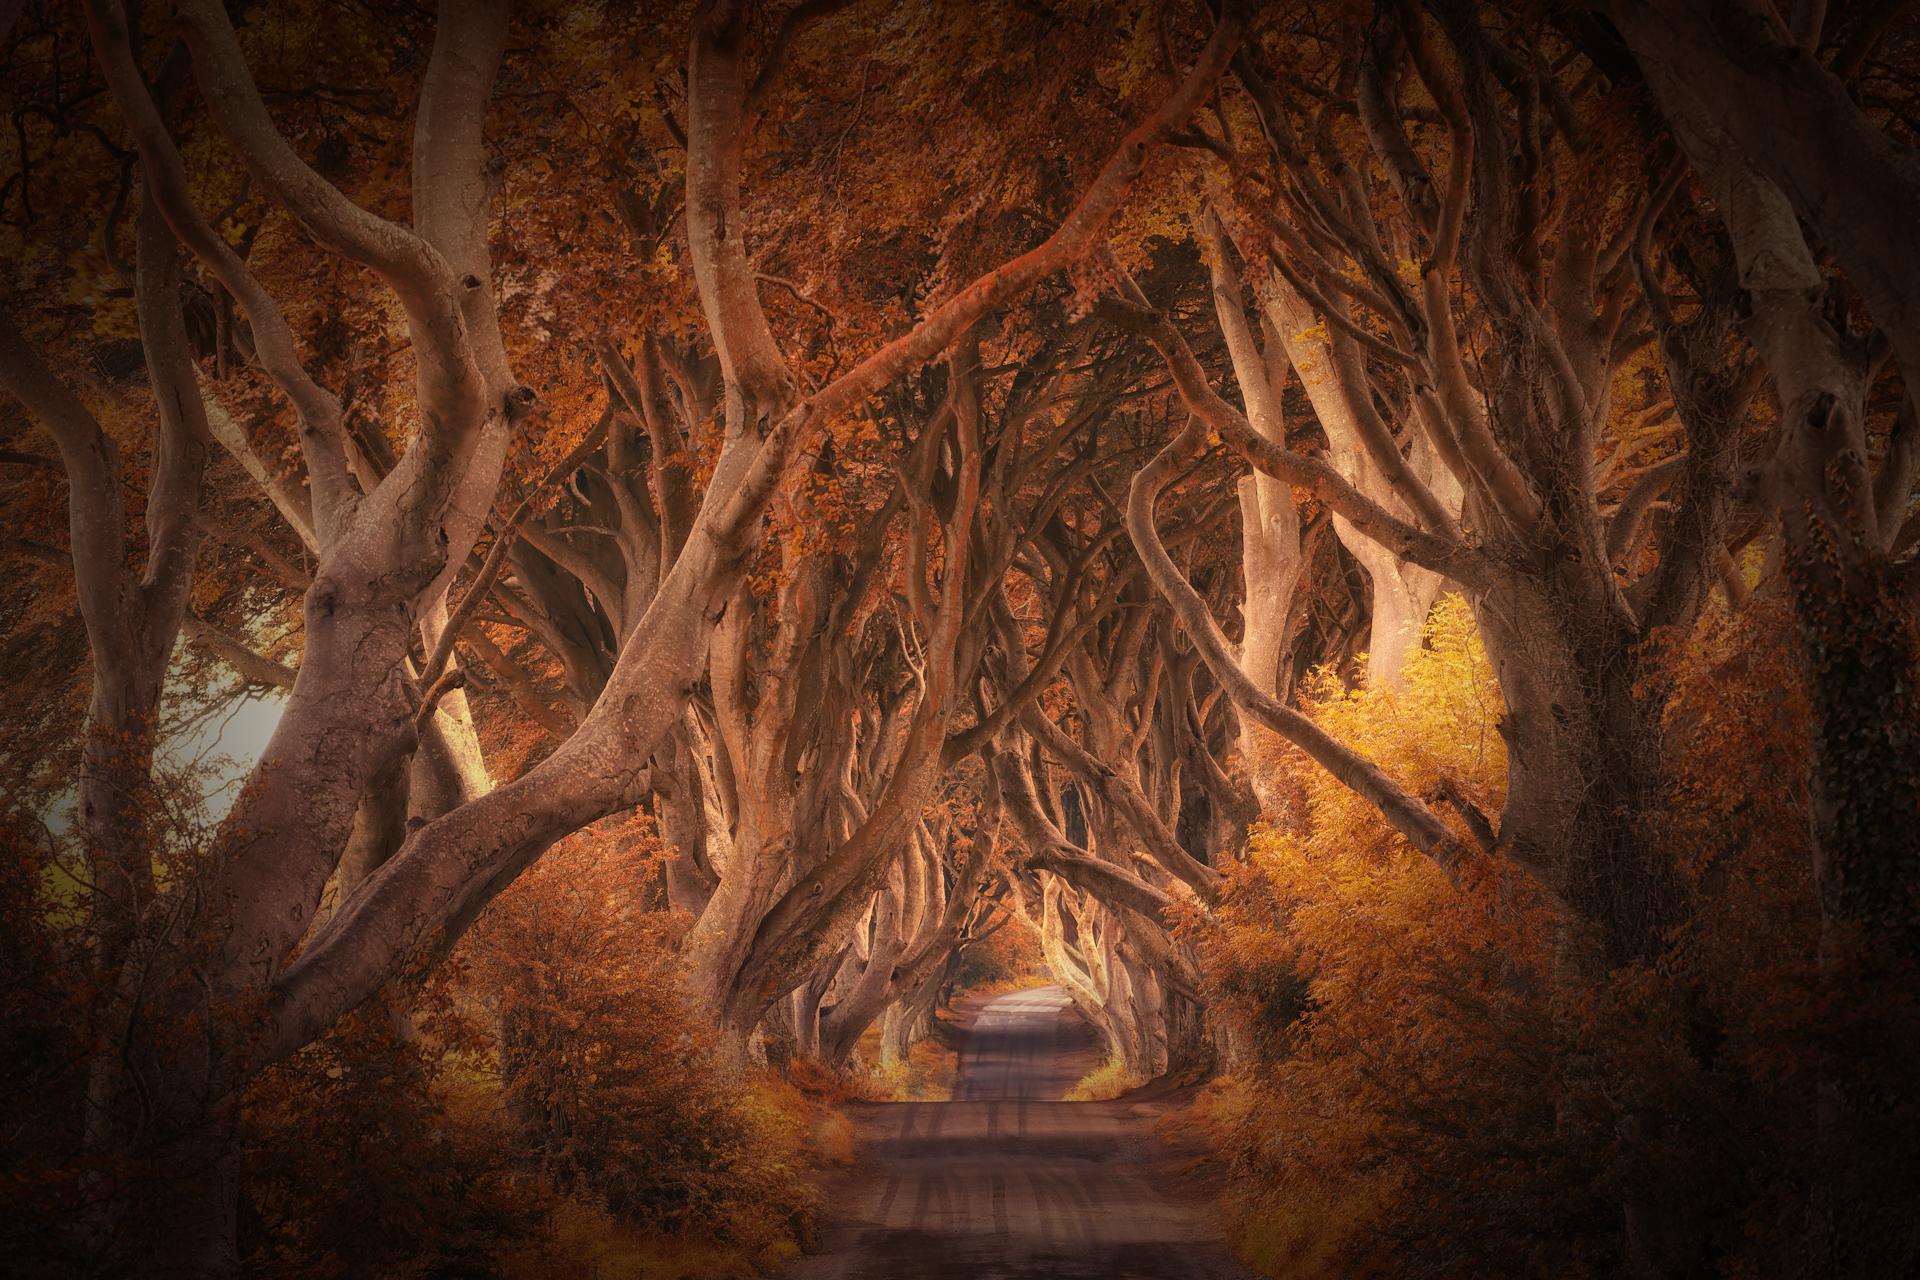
547,1105
1400,1037
1425,1093
608,1075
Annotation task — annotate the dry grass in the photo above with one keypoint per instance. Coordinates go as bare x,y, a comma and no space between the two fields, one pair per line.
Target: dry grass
927,1075
803,1111
584,1241
1108,1080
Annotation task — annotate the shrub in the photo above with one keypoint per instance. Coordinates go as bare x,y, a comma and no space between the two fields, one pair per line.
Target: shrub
356,1164
1424,1093
607,1073
544,1104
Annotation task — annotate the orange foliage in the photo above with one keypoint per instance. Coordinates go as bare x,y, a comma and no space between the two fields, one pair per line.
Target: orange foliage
604,1069
1420,1095
544,1103
1396,1027
1005,960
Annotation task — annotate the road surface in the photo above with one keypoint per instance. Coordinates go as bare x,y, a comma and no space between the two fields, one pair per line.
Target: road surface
1006,1182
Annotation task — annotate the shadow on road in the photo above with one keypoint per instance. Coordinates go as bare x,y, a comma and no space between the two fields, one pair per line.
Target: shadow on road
1006,1182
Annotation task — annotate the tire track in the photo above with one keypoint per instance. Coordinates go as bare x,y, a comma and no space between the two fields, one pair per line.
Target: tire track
1007,1180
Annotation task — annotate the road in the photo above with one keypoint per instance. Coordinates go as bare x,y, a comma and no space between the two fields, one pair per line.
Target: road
1006,1182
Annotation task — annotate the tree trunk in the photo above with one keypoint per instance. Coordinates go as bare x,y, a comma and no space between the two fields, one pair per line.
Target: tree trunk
681,803
1584,770
895,1029
909,1020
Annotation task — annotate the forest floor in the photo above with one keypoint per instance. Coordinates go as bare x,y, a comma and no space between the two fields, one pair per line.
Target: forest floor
1007,1182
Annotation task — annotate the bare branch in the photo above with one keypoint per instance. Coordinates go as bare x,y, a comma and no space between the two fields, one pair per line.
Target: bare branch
252,667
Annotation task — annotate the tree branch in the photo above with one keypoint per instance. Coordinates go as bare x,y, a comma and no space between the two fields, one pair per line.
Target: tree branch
1405,813
235,653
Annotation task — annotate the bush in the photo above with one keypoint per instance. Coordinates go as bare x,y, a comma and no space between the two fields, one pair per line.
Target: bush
356,1164
546,1104
1424,1094
609,1076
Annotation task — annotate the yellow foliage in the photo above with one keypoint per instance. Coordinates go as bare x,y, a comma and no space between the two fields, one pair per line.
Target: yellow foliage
927,1075
1377,1000
1422,1091
1437,723
1108,1080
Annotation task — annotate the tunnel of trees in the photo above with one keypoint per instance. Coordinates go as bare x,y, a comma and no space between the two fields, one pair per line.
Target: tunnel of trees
1373,542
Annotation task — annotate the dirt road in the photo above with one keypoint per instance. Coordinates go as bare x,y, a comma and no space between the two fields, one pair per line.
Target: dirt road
1009,1183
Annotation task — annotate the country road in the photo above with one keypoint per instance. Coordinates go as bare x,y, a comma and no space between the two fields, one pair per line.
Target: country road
1006,1182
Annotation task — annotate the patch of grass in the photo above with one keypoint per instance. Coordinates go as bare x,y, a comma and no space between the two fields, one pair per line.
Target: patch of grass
1221,1106
1108,1080
803,1112
583,1240
821,1083
927,1075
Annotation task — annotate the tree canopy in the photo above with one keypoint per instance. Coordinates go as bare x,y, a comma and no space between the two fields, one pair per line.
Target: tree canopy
1380,536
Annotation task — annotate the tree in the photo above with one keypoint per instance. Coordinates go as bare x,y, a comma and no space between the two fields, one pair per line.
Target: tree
949,468
215,1001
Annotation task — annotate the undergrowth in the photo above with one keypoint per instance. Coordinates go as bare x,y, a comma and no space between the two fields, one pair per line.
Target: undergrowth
926,1075
1417,1095
1108,1080
545,1105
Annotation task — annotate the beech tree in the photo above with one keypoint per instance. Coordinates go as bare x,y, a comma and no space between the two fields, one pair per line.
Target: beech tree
962,471
210,1004
1502,357
1843,522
